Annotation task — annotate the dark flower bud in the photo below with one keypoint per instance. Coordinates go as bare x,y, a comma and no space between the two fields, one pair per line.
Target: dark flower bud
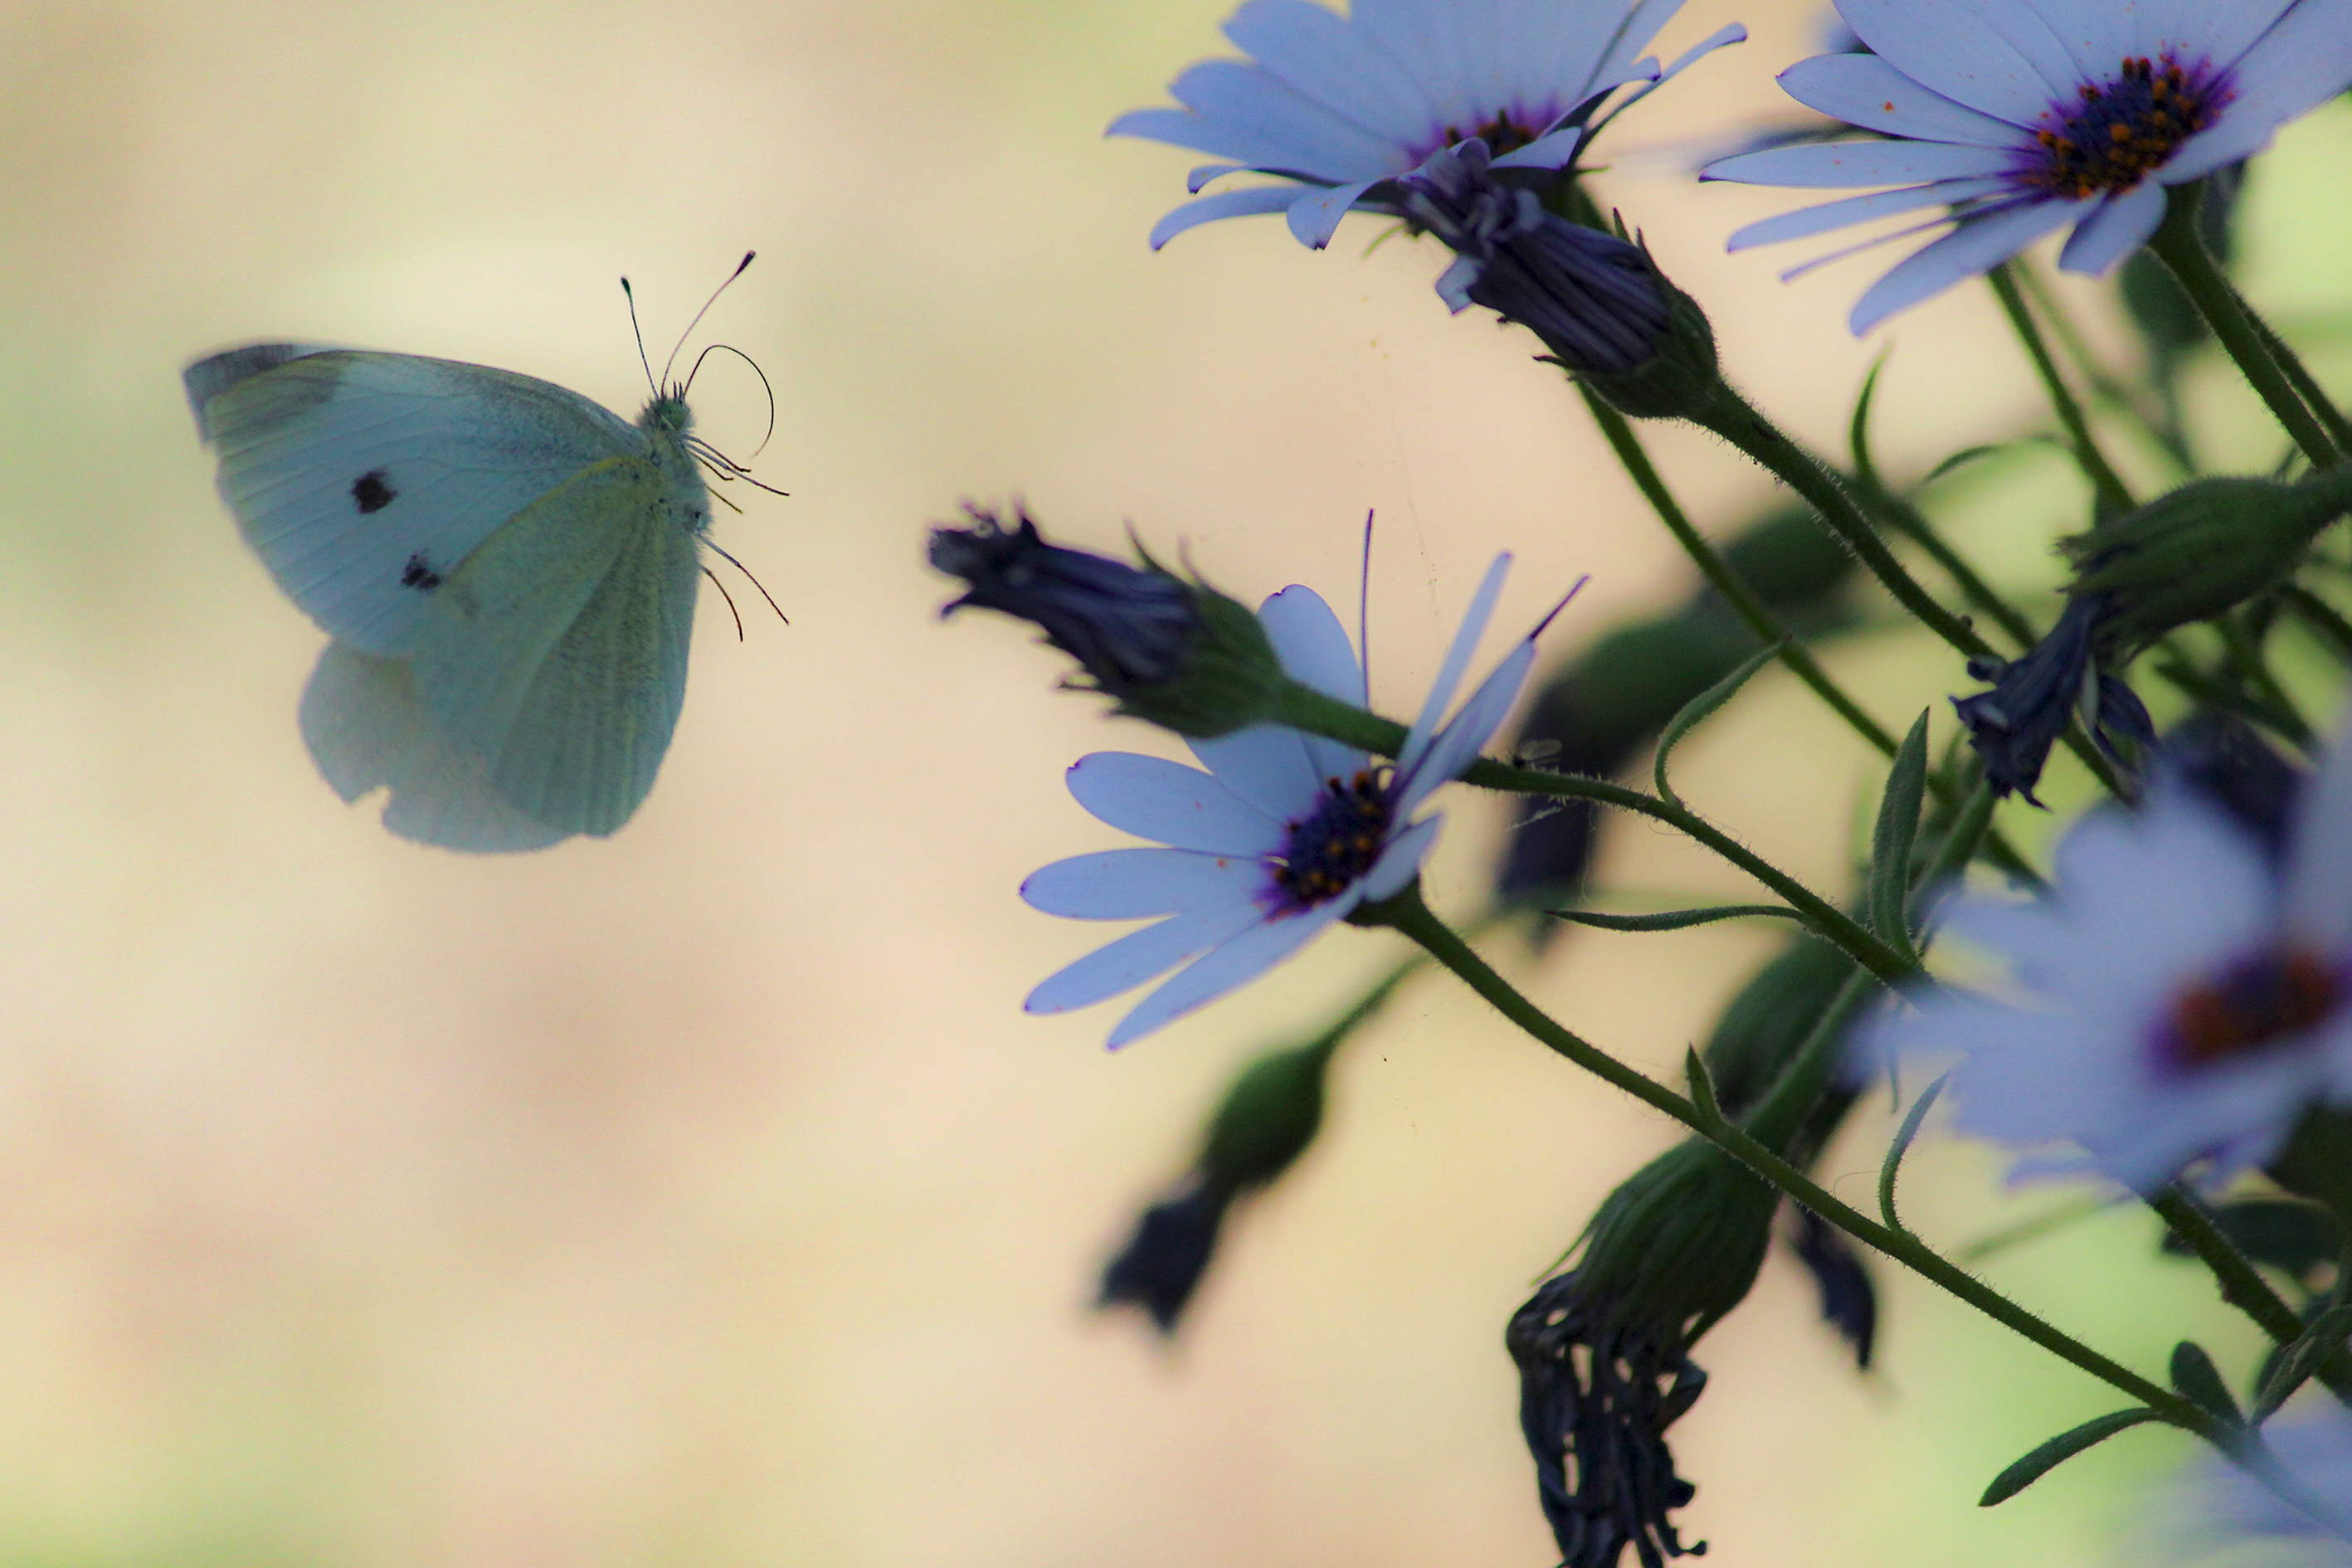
2014,725
1179,654
2199,552
1676,1247
1265,1121
1599,304
1162,1263
1849,1301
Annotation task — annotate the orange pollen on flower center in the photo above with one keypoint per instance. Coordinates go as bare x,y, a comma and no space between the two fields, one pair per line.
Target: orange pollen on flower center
1338,842
2253,1005
2122,131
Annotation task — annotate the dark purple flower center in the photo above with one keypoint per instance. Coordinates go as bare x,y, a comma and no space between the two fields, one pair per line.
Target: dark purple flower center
1504,133
1336,842
2117,134
2257,1001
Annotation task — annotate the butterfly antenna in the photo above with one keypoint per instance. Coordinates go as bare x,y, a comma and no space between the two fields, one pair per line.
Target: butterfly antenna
754,581
762,375
726,467
639,333
704,312
728,597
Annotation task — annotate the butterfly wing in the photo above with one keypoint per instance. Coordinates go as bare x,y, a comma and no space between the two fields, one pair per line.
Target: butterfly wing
557,651
365,729
363,479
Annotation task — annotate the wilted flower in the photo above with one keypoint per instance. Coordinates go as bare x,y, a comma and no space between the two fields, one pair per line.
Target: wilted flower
1179,654
2014,725
1162,1262
2020,116
2185,994
1285,834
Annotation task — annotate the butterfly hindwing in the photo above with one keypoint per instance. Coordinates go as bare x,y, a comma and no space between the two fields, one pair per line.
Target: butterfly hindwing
557,651
365,729
364,479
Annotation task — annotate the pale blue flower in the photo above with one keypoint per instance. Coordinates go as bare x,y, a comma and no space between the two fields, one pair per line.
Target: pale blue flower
2021,117
1338,107
2184,995
1285,834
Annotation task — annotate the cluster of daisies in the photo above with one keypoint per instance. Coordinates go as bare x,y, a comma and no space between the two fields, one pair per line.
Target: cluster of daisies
2178,1003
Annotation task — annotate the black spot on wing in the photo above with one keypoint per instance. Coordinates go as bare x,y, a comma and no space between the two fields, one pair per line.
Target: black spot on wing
419,574
373,490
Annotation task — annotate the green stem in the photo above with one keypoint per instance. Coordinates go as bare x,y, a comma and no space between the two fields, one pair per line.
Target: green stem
2242,1286
1736,420
1751,606
2322,617
2314,395
2114,496
2106,388
2179,246
1303,708
1912,523
1408,914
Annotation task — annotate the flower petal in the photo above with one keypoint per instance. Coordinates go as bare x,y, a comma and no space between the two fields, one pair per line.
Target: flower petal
1457,660
1241,959
2115,230
1314,217
1621,63
1324,55
1831,164
1182,806
1978,244
1864,90
1132,884
1268,765
1422,36
1315,651
1729,33
1235,111
1847,210
2306,58
2319,883
2200,30
2095,37
1991,54
1459,743
1402,859
1224,204
1137,956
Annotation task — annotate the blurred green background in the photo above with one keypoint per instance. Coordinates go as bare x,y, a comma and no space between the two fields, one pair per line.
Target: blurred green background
702,1196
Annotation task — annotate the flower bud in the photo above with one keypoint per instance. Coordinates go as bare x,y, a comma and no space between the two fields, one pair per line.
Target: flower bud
2199,552
1678,1244
1179,654
1680,380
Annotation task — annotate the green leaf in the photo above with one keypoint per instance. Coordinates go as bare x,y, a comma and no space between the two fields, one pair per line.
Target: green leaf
1898,825
2200,1381
1697,710
2296,1360
1676,920
2286,1233
2057,1451
1701,1087
1858,431
1991,448
1892,1164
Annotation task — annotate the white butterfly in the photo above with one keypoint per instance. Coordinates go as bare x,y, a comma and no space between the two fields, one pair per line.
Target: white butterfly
507,569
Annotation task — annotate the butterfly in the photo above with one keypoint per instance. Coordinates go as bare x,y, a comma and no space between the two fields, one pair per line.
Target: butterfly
507,571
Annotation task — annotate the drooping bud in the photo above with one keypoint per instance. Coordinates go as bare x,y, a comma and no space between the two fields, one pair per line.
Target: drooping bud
2199,552
2014,725
1268,1117
1179,654
1602,308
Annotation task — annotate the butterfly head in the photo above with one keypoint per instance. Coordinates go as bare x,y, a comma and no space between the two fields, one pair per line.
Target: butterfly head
667,414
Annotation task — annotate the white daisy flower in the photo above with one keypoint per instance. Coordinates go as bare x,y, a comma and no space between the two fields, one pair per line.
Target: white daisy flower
2020,116
1338,107
1285,834
2186,996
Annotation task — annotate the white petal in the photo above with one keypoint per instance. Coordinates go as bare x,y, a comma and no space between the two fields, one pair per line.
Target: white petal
1401,858
2096,37
1137,956
2319,874
1268,765
1459,743
1154,798
1224,204
2115,230
1847,210
1133,884
1978,243
1864,90
1621,63
1835,164
2304,59
1315,652
1239,960
1322,55
1314,217
2214,31
1457,660
1422,36
1995,55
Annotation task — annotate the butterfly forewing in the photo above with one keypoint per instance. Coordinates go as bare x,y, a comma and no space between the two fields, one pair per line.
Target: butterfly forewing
363,481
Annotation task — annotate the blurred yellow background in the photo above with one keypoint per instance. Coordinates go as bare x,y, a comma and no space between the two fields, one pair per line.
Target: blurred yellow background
702,1196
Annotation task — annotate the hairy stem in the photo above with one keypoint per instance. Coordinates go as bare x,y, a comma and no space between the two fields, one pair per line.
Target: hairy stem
2114,496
